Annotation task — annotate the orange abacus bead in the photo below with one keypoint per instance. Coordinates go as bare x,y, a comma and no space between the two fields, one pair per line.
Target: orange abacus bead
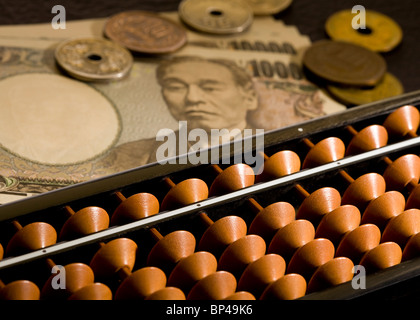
291,237
370,138
233,178
184,193
357,242
289,287
191,269
383,256
327,150
338,222
216,286
310,256
34,236
260,273
19,290
280,164
334,272
380,210
403,122
135,207
83,222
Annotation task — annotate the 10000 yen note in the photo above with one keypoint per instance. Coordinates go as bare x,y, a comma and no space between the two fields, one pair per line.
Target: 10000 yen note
56,130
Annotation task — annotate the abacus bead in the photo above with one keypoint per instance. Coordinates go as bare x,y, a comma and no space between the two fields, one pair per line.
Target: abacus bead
280,164
311,256
241,253
289,287
358,241
332,273
233,178
325,151
400,228
338,222
32,237
167,293
221,233
20,290
401,172
319,203
272,218
184,193
113,256
191,269
77,275
260,273
216,286
403,121
85,221
369,138
135,207
291,237
141,284
171,248
380,210
95,291
383,256
363,190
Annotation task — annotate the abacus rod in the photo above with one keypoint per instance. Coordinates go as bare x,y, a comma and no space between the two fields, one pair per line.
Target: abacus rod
208,203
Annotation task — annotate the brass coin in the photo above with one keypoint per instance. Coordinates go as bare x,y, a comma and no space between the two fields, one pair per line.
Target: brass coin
268,7
145,32
381,33
93,59
344,63
388,87
216,16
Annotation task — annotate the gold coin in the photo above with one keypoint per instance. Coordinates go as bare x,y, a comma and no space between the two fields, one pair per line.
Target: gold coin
93,59
268,7
381,33
145,32
216,16
344,63
388,87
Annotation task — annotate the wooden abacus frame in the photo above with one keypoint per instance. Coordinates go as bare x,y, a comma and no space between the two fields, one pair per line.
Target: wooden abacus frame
273,141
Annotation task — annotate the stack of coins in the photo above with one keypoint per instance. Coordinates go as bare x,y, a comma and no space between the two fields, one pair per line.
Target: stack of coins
140,32
350,64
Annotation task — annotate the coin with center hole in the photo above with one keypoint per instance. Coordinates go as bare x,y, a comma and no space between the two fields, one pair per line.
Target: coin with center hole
268,7
93,59
145,32
216,16
344,63
388,87
379,32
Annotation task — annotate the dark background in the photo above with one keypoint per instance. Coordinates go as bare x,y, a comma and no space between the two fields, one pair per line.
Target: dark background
308,15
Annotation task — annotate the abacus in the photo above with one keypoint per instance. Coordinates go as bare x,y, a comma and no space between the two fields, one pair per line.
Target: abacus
335,193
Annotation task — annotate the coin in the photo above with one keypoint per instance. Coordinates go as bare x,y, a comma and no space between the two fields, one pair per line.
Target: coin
145,32
268,7
216,16
381,33
388,87
344,63
93,59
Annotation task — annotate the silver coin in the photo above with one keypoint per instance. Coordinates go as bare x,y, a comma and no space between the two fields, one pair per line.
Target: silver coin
93,59
268,7
216,16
